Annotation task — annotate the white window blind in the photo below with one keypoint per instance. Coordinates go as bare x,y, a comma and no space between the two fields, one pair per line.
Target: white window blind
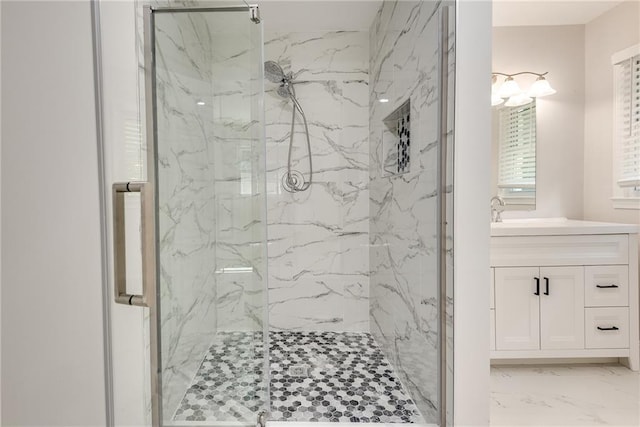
627,120
517,151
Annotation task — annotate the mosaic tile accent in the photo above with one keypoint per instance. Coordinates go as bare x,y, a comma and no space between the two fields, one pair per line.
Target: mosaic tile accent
403,143
315,376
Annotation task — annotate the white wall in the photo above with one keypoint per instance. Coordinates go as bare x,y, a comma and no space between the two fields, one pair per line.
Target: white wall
560,117
52,360
471,220
611,32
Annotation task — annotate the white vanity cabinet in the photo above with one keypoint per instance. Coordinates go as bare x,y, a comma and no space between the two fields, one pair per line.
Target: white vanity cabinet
539,308
564,294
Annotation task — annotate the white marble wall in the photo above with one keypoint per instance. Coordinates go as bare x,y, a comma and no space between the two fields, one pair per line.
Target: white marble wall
318,239
403,208
239,176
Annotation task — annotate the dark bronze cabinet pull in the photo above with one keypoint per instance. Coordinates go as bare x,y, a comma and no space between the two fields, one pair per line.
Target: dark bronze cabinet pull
537,292
546,286
607,286
612,328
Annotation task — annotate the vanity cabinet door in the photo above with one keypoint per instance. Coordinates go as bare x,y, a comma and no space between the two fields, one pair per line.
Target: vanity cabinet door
561,308
517,309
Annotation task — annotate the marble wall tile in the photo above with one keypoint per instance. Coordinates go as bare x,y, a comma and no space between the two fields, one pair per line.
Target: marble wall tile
239,255
318,239
403,207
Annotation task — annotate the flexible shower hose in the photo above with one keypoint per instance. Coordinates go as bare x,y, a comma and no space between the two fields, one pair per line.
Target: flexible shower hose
292,183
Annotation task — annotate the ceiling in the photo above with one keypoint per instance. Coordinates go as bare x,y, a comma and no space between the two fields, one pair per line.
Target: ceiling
548,12
314,15
357,15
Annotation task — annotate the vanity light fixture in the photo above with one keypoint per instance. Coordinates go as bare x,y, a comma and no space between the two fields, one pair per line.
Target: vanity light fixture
511,90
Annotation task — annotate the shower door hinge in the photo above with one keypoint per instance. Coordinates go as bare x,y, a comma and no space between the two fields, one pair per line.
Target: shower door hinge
254,14
262,419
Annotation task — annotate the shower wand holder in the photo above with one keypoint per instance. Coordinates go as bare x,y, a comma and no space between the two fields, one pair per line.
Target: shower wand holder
294,181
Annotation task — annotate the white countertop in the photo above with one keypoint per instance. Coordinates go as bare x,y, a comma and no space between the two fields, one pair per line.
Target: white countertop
557,227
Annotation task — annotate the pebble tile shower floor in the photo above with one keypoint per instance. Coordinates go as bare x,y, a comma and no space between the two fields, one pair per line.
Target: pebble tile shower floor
315,376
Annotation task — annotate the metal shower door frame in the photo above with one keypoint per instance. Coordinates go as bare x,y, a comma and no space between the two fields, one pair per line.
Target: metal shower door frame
442,214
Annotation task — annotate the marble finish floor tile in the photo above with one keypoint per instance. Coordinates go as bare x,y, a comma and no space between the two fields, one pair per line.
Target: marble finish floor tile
347,379
229,384
315,376
569,395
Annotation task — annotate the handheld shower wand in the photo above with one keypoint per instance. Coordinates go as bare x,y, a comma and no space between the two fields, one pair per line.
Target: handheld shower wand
293,181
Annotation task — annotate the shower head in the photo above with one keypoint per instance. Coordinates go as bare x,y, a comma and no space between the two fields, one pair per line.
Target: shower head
273,72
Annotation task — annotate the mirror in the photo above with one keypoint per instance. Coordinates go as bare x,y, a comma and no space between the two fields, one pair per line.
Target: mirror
513,174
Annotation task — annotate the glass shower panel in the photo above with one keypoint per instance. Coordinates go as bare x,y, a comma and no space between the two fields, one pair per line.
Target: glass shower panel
211,226
408,189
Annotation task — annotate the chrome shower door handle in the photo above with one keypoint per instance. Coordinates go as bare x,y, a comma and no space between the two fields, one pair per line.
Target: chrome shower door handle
119,190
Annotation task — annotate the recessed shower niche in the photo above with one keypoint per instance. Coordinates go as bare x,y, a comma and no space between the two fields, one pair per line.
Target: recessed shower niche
315,297
396,140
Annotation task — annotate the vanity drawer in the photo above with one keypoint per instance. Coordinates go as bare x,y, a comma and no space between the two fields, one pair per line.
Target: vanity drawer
613,324
606,286
521,251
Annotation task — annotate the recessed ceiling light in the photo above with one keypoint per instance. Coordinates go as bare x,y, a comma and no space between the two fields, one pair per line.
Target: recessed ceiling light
383,100
200,103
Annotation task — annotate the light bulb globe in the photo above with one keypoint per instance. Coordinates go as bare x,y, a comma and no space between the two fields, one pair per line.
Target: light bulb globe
540,88
518,100
509,88
496,100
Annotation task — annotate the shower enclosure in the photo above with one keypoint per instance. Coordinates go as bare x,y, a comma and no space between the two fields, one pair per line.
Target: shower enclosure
238,302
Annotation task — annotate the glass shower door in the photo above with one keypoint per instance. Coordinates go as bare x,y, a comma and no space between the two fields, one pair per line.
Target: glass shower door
207,87
186,336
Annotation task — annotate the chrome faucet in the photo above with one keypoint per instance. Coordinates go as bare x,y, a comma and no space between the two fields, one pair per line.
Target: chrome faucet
496,210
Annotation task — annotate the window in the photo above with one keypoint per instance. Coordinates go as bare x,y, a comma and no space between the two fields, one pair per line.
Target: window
517,153
626,68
